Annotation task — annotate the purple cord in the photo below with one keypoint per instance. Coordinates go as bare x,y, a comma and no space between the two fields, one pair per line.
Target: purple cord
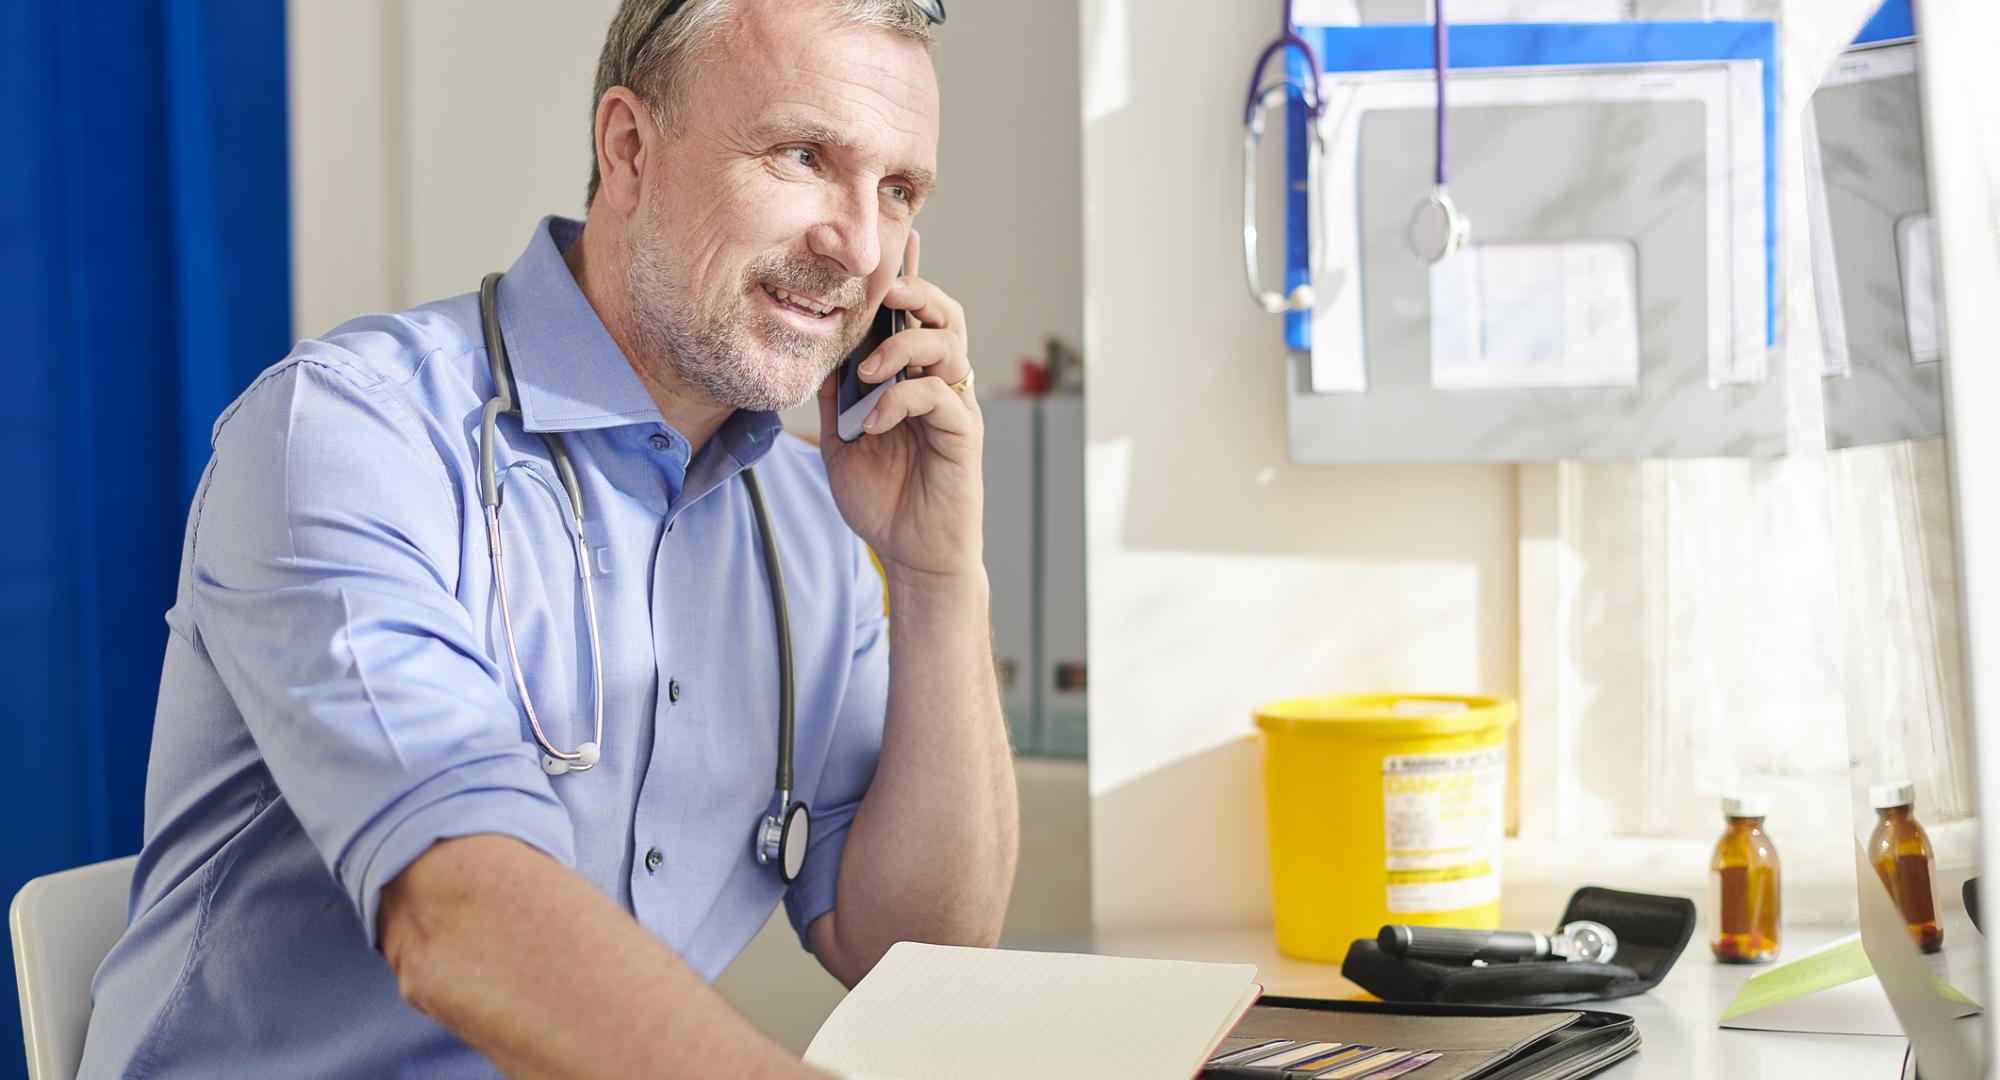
1442,52
1287,39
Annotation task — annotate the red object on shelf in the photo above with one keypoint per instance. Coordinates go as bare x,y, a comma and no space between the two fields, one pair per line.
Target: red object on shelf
1034,378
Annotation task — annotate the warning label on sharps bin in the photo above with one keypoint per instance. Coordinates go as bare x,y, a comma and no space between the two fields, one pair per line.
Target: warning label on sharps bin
1444,815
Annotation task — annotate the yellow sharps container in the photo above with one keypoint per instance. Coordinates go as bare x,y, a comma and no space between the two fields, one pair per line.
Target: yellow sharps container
1384,808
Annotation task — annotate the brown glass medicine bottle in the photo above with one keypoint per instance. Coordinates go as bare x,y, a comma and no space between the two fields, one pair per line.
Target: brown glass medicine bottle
1902,855
1743,885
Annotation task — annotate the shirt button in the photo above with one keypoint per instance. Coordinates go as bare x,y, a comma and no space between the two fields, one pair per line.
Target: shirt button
673,689
660,442
653,860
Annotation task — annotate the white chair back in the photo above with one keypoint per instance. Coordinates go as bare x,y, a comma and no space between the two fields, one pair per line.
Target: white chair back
63,924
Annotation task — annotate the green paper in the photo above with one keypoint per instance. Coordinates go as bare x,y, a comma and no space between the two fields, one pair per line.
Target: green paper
1823,970
1952,993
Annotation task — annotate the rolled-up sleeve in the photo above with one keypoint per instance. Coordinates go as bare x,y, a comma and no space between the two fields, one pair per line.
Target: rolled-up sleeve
322,575
851,758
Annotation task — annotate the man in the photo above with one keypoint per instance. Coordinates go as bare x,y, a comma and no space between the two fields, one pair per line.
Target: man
347,809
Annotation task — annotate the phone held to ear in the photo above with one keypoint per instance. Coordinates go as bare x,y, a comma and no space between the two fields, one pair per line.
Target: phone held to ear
854,398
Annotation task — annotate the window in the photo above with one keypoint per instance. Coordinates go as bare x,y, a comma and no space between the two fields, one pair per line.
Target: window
1693,626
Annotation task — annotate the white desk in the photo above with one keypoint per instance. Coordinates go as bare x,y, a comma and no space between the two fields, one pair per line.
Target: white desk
1676,1019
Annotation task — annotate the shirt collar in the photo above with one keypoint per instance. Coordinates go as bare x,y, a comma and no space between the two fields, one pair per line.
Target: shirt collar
569,374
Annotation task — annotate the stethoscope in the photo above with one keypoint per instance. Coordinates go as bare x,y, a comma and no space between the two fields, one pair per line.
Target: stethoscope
1262,98
779,837
1437,228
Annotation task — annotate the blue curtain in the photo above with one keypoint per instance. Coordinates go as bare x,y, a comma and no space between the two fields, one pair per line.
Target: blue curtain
144,278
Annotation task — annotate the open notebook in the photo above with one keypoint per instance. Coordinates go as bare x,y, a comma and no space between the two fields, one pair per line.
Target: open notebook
944,1013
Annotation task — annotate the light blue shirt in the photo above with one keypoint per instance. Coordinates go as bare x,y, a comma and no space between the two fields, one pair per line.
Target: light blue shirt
336,695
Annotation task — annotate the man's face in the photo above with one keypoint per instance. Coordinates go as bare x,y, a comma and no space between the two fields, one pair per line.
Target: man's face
773,222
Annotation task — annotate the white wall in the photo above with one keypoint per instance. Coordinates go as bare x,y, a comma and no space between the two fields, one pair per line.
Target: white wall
429,135
1222,575
346,106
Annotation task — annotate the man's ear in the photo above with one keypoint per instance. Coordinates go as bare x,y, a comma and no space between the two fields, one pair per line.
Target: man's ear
624,129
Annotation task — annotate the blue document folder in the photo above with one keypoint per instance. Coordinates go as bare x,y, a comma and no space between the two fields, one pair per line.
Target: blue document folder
1529,45
1891,22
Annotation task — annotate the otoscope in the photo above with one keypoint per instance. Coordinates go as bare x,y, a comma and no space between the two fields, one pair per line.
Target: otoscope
1579,940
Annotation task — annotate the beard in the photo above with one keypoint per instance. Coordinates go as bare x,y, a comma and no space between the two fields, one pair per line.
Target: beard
741,355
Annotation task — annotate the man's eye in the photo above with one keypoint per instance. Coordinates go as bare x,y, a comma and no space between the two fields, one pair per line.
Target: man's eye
803,155
898,192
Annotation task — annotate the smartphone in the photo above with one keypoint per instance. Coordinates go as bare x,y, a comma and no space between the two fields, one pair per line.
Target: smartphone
854,398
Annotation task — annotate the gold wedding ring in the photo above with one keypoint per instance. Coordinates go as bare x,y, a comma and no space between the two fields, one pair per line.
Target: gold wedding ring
962,385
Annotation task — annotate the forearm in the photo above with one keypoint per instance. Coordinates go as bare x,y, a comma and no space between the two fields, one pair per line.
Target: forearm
931,853
546,977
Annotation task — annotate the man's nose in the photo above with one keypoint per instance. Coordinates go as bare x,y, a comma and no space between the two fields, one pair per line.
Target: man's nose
850,234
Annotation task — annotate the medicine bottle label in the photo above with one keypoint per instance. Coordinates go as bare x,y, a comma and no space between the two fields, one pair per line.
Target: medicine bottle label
1444,815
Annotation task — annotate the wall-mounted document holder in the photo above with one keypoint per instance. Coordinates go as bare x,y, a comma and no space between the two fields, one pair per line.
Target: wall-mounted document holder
1617,296
1348,12
1873,257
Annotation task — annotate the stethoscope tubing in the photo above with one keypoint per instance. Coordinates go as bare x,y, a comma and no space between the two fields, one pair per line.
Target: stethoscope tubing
778,836
586,756
775,569
1441,60
1437,229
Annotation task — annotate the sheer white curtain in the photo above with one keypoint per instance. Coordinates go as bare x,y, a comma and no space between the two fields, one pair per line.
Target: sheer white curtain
1694,626
1899,598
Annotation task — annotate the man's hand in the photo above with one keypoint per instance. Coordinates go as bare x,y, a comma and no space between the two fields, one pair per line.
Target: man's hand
931,854
910,486
546,977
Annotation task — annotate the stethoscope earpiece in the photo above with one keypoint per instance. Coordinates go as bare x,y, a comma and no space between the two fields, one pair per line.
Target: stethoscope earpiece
586,756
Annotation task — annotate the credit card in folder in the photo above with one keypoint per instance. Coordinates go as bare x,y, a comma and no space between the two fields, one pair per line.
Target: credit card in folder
1443,1042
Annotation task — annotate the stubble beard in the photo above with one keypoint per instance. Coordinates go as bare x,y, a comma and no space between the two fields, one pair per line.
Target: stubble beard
740,357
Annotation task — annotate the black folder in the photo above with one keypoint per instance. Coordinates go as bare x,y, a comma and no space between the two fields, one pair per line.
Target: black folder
1476,1042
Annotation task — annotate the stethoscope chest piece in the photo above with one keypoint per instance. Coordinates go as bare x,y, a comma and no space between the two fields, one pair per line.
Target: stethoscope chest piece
782,839
1437,229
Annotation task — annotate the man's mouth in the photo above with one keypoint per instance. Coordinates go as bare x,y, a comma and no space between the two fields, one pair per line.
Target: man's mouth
808,307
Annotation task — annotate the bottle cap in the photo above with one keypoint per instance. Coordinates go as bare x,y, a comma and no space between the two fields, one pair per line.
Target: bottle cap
1892,794
1745,804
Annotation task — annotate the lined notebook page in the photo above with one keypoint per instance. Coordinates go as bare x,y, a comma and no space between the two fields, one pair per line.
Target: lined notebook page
945,1013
